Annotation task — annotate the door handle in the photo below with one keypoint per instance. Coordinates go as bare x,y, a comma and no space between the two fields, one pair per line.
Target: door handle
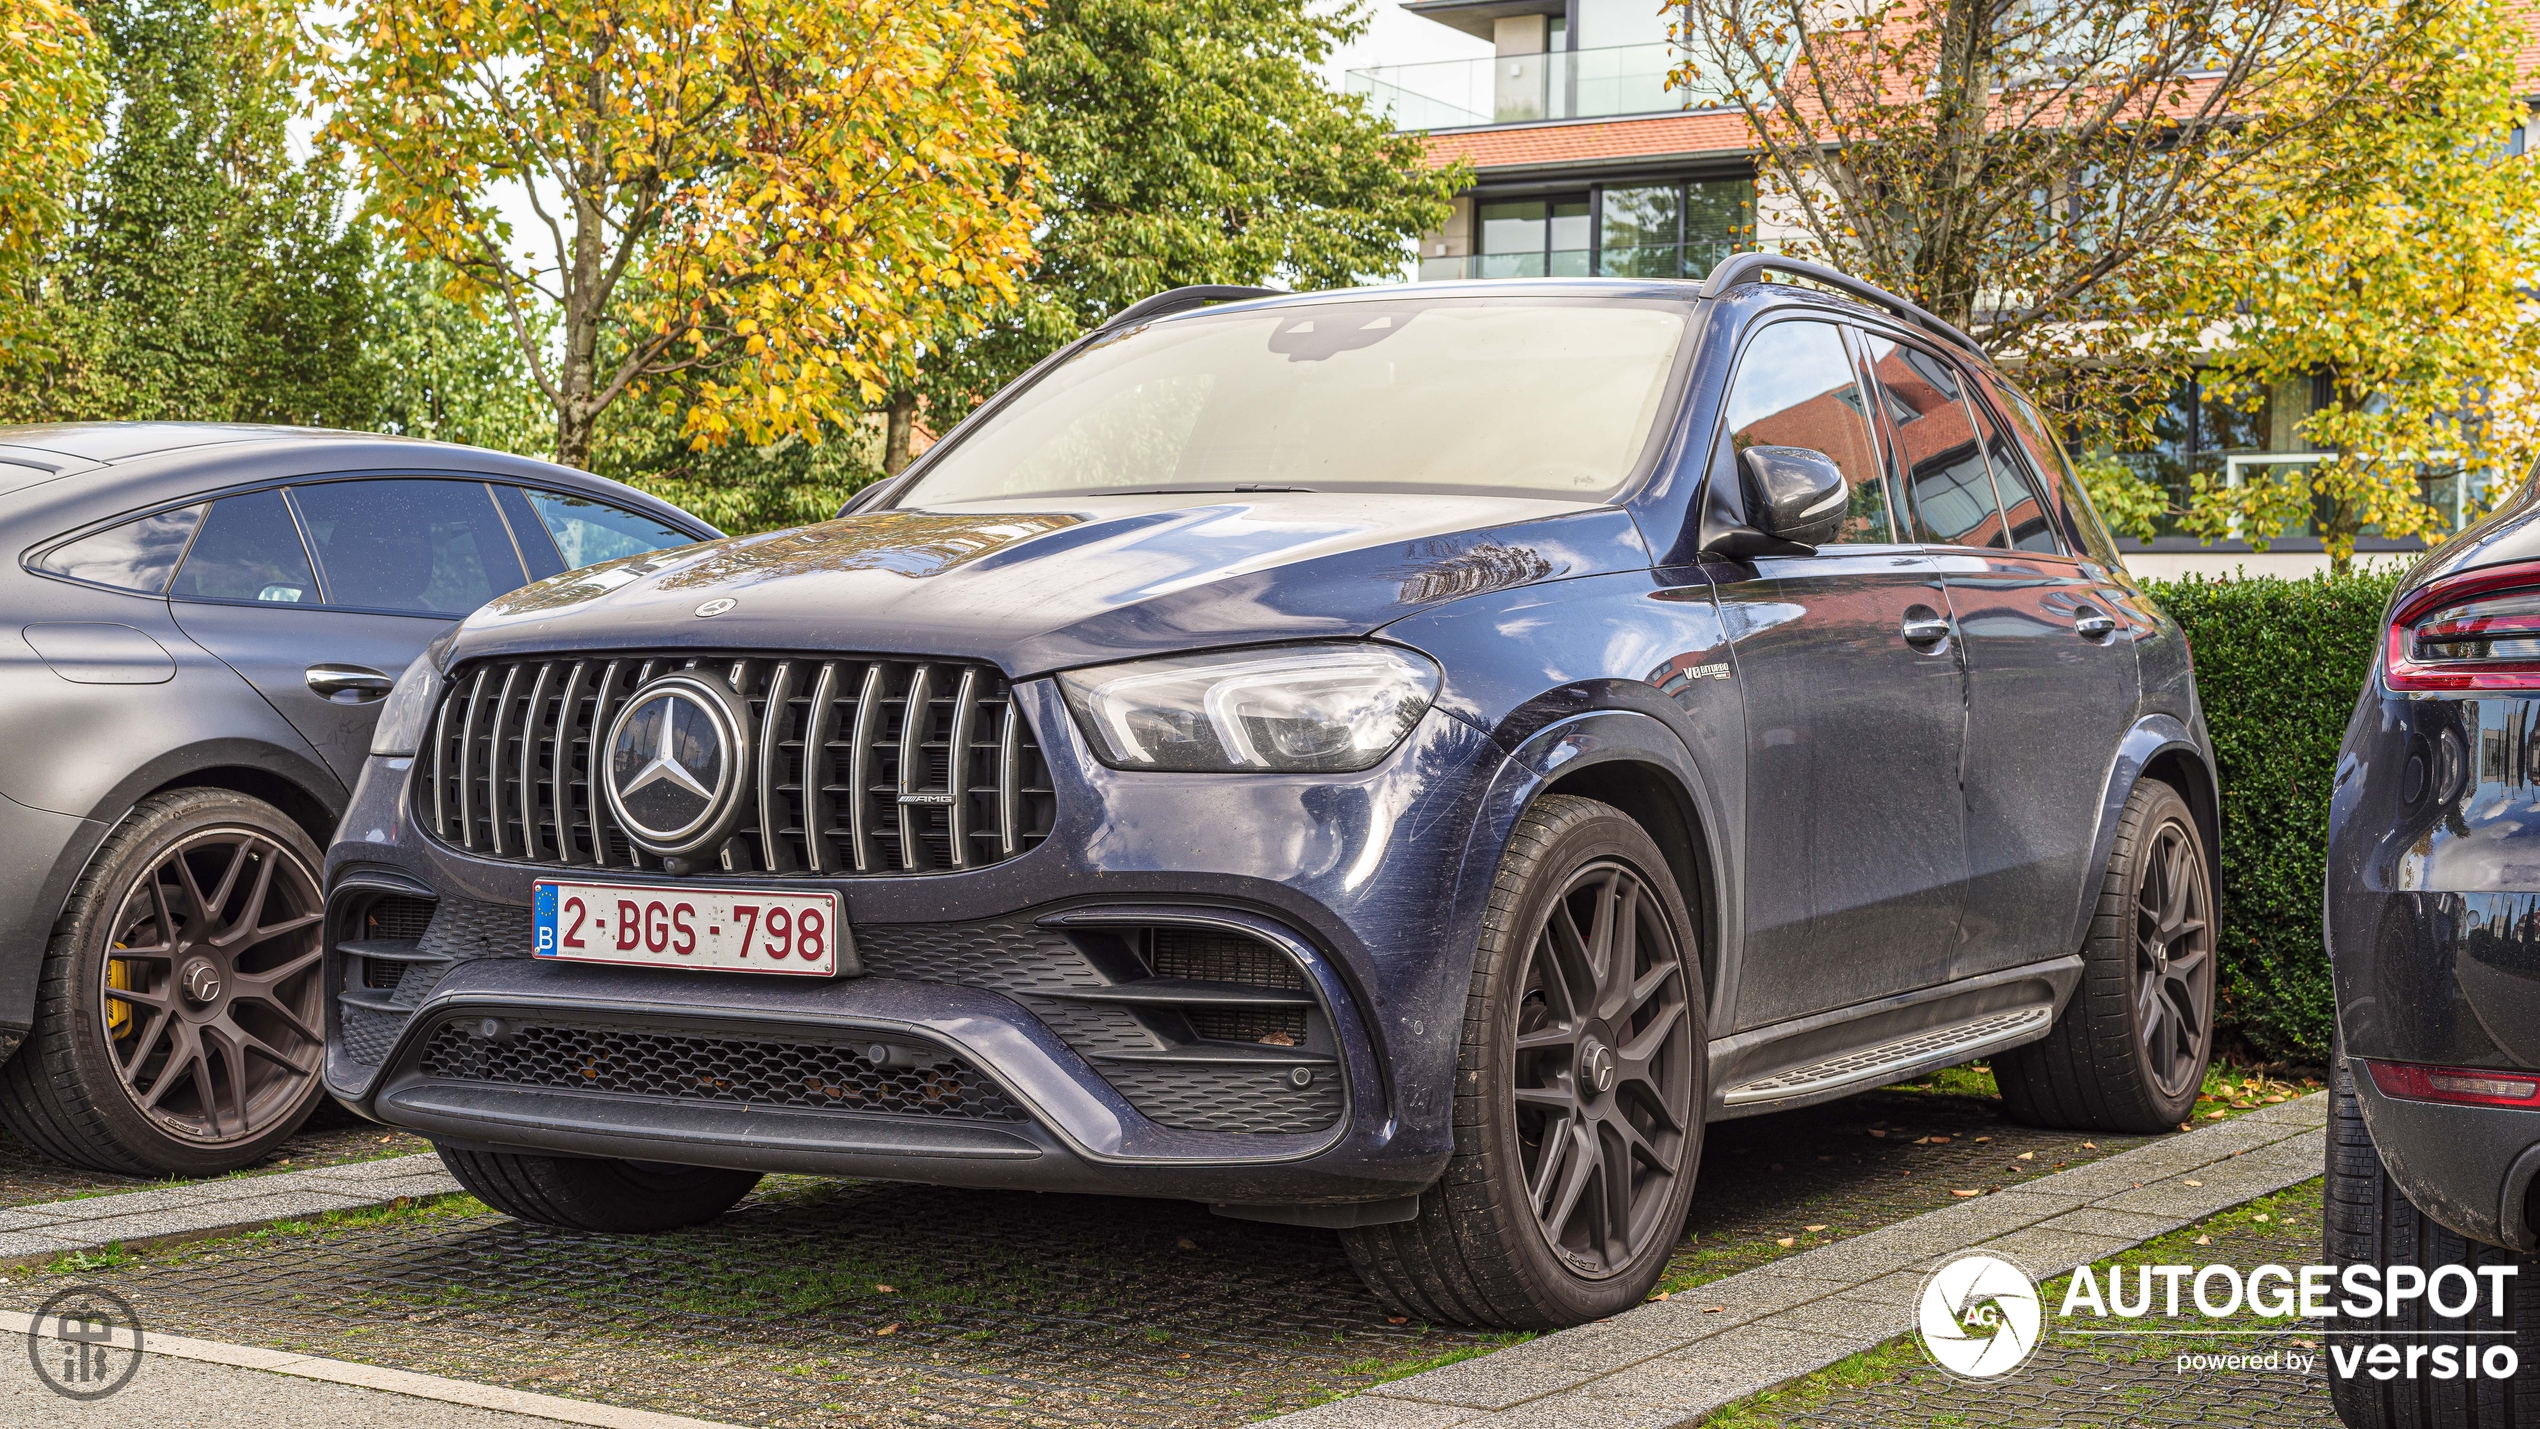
349,684
2092,623
1924,627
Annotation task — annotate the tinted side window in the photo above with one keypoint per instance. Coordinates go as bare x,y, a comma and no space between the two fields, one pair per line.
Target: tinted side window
1937,447
2050,462
136,556
1796,387
2031,515
249,550
588,532
424,547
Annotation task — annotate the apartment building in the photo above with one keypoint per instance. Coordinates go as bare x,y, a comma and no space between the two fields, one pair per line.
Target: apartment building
1585,163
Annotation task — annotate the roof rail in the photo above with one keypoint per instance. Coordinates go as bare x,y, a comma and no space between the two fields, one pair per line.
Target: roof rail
1744,268
1174,300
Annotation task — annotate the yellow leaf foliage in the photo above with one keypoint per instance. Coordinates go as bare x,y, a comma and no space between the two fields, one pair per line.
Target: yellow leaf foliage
754,201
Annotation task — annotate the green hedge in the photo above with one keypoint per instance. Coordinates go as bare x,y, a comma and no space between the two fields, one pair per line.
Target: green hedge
2279,664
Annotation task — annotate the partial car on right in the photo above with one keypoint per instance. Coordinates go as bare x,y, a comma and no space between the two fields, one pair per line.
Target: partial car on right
2433,926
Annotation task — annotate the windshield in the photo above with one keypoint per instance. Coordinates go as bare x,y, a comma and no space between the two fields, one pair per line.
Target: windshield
1537,397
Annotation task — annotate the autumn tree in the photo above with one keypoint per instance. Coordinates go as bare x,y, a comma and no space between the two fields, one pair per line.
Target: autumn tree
202,270
50,102
1187,141
2392,251
743,208
2025,171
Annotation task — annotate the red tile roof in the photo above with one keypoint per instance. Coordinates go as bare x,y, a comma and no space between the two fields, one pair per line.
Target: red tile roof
1711,131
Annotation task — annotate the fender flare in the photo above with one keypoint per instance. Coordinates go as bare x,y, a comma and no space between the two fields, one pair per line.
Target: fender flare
2152,737
1606,736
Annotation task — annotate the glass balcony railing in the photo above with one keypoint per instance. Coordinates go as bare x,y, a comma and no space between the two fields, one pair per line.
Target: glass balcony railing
1508,89
1656,260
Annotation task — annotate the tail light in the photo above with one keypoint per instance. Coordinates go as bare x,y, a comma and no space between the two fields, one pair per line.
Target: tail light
2468,1086
2479,630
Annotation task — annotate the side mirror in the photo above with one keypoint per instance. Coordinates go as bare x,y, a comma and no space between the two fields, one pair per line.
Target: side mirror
1794,494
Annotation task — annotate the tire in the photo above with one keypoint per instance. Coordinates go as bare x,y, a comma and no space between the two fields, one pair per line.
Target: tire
2148,959
1541,1074
597,1194
2369,1222
202,910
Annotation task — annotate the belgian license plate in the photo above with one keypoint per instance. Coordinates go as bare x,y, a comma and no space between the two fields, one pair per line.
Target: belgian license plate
746,930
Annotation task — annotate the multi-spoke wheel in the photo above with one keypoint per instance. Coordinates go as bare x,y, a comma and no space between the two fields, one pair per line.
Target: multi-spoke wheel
177,1027
1603,1073
2129,1051
2174,963
1578,1117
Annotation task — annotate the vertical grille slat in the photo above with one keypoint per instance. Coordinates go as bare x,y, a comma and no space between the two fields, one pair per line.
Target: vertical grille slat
560,760
839,741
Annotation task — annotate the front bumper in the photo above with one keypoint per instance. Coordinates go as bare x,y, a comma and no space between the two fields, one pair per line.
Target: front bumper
1355,881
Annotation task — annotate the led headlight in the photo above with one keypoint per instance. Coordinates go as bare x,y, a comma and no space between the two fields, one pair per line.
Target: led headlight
403,719
1328,709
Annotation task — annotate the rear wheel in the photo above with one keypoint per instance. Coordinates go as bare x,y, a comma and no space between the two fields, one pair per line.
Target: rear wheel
2130,1050
597,1194
1578,1113
2371,1223
179,1007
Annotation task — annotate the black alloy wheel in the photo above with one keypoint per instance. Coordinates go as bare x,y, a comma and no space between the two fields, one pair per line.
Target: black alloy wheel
2174,963
210,1003
1579,1090
1602,1080
180,1009
2129,1051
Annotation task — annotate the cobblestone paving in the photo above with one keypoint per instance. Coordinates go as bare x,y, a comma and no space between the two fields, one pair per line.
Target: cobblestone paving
2076,1381
1002,1308
332,1136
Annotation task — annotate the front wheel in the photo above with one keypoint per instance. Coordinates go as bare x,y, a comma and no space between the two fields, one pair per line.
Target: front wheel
1578,1110
2130,1050
179,1005
597,1193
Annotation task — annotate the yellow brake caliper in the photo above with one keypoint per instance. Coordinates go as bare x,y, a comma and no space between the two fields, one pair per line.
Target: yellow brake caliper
118,1012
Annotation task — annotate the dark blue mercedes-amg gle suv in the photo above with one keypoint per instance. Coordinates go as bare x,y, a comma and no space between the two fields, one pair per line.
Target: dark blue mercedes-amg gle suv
1399,760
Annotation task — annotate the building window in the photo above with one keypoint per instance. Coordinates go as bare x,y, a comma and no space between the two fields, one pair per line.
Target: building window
1673,230
1534,238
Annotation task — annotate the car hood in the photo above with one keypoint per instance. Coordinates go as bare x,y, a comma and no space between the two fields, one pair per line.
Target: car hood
1034,586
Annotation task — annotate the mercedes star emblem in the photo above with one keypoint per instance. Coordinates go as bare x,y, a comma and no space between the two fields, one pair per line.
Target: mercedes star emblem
678,757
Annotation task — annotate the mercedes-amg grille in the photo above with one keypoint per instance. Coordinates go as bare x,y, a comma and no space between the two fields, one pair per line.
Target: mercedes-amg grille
863,766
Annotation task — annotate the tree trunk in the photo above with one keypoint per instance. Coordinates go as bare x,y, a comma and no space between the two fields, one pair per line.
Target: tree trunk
901,418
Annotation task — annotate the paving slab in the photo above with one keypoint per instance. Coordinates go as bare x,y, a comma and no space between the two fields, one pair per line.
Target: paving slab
1660,1365
162,1214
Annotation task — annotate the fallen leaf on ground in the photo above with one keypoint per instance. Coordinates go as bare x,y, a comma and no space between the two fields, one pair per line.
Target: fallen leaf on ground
2260,1216
1186,1243
1397,1319
2090,1146
1787,1240
1874,1131
2217,1113
1981,1140
1713,1309
2195,1183
887,1290
2025,1156
2305,1344
1661,1295
1966,1193
1939,1141
1812,1230
2204,1240
892,1328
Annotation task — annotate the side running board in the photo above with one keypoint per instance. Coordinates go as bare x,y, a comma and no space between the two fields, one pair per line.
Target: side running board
1889,1061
